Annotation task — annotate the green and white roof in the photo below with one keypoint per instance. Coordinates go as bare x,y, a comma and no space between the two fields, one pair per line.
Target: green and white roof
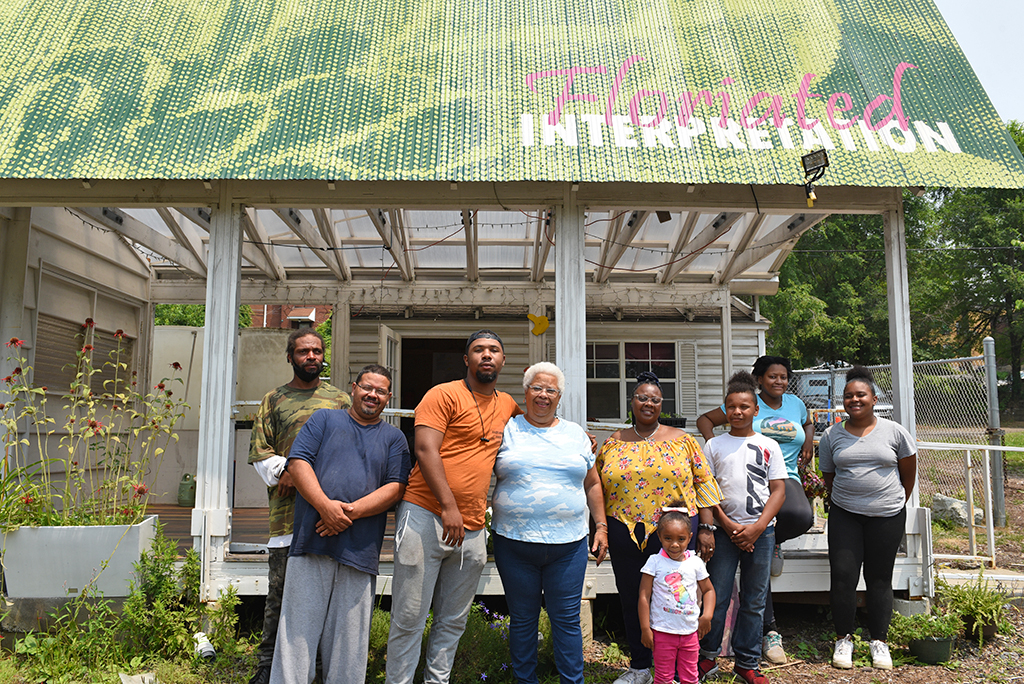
478,90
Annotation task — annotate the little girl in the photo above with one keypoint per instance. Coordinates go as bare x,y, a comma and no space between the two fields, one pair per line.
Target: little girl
671,621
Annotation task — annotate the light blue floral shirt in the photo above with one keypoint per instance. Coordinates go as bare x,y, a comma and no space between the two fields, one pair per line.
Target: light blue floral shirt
539,494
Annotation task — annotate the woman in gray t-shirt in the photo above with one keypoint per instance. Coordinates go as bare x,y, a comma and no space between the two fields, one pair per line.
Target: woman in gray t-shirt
869,465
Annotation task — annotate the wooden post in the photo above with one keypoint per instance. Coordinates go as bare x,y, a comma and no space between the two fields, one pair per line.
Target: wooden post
211,519
341,327
14,239
570,307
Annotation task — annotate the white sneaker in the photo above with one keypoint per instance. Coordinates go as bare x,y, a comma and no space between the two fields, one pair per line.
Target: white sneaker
842,657
771,648
634,676
880,658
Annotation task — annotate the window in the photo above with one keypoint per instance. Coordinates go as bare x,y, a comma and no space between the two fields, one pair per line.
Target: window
611,376
56,355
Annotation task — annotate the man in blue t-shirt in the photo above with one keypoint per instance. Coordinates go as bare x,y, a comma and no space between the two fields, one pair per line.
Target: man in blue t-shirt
349,468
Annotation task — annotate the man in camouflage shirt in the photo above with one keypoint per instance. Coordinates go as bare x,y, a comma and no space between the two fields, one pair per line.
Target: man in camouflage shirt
281,415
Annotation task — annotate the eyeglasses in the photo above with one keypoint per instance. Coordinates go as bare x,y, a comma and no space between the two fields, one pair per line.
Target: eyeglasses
379,391
549,391
644,399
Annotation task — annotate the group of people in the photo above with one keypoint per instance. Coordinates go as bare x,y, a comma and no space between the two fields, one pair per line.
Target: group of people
677,521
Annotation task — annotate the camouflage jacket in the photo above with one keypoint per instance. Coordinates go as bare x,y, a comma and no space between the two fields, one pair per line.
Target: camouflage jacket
281,415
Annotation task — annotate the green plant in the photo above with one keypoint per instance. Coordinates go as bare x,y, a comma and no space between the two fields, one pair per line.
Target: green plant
111,442
903,629
977,603
88,640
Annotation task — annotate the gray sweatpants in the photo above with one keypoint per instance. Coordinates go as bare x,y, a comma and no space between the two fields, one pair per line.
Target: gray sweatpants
428,573
327,604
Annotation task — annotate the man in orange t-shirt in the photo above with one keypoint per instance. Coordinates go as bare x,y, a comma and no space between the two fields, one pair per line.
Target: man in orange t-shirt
440,546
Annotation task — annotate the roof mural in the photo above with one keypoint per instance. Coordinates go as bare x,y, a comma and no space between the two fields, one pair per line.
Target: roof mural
680,91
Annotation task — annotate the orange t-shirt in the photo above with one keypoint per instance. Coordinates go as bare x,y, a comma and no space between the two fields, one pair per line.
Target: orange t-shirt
468,462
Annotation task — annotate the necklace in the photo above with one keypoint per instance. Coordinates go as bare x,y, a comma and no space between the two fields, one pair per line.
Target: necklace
649,438
483,431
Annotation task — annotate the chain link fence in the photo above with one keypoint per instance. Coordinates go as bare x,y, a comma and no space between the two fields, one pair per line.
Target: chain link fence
951,406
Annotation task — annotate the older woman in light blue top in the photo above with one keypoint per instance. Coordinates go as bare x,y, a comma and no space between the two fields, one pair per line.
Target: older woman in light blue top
546,480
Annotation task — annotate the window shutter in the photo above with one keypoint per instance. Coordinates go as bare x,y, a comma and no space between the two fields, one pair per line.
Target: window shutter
57,345
689,390
551,352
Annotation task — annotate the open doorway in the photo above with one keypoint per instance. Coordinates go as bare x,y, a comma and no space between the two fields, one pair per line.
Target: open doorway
427,362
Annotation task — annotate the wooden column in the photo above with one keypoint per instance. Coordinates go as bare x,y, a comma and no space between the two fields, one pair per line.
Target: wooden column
341,326
901,353
726,341
537,342
14,239
211,519
570,307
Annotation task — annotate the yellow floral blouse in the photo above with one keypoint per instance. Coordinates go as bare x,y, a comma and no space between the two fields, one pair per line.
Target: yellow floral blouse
639,478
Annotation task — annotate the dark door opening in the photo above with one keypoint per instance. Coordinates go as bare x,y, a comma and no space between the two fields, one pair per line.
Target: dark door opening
427,362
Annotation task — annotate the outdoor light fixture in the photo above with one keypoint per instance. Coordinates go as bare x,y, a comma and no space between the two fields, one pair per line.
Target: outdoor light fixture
814,165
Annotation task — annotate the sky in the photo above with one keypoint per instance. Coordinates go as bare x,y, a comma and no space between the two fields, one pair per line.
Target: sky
989,33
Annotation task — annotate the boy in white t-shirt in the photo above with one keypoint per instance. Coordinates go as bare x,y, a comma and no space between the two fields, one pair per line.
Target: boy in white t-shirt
751,472
671,620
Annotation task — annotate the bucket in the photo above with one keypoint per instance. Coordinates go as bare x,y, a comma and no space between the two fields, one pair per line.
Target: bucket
931,650
187,491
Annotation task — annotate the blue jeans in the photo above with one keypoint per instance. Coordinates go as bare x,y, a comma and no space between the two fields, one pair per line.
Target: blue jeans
527,570
755,572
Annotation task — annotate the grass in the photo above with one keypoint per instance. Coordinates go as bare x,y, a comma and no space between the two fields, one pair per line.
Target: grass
1014,459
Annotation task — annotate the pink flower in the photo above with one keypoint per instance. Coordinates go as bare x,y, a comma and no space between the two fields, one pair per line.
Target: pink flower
119,334
176,366
87,348
140,490
15,342
17,371
89,323
27,499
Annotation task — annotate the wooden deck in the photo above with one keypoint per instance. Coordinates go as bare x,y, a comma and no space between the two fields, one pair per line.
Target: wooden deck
248,526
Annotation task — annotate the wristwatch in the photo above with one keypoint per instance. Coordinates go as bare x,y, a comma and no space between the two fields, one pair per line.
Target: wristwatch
706,526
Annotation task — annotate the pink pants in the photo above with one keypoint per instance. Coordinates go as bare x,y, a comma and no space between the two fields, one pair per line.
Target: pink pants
675,653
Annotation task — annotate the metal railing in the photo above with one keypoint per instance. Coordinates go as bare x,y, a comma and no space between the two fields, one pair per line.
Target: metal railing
968,451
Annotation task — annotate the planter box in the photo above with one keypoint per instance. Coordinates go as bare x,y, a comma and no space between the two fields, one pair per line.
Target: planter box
51,562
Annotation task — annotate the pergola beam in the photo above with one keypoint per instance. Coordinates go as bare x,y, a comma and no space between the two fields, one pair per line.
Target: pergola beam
384,228
259,252
469,225
137,231
541,246
311,238
727,269
184,233
620,238
788,232
326,227
452,294
717,226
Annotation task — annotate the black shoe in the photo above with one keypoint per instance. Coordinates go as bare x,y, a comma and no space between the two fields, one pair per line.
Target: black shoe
261,676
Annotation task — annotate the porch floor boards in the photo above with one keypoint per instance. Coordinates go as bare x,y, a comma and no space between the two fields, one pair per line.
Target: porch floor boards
248,526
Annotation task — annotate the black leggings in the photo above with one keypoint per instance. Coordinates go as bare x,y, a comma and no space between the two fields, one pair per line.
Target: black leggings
855,540
793,519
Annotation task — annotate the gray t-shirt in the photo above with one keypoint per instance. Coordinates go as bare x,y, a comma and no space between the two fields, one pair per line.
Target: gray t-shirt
867,480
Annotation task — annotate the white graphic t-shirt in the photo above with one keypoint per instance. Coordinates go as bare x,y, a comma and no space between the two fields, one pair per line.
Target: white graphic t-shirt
675,608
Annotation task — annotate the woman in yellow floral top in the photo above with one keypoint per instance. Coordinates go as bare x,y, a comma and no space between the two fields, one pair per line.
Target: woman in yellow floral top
642,469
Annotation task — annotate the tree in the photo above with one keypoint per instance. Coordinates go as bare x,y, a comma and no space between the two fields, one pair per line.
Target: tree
194,315
984,290
832,299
